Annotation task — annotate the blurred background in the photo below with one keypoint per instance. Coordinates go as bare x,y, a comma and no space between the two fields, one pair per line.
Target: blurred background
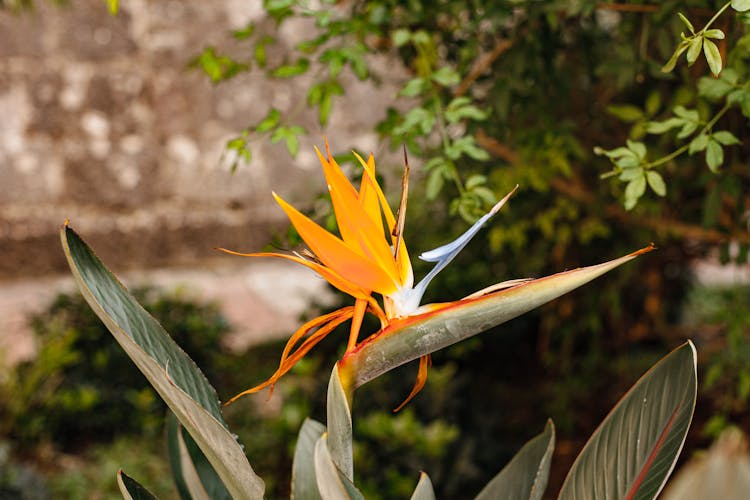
160,131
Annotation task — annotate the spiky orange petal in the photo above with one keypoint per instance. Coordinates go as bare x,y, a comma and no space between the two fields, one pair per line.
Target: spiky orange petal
424,364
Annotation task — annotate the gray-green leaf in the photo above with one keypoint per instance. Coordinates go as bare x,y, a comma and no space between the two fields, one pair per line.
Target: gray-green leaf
634,450
525,476
339,425
169,370
304,484
424,490
131,489
741,5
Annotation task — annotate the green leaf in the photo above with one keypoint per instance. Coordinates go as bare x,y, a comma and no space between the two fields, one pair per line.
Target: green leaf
625,112
686,21
656,182
446,77
635,188
672,62
424,490
339,425
698,144
131,489
628,174
525,476
638,148
304,485
725,137
687,129
713,56
169,370
461,108
216,66
664,126
690,115
259,51
716,34
290,70
694,50
741,5
634,450
653,103
714,155
270,121
332,483
620,152
245,32
405,340
714,88
435,182
413,87
400,37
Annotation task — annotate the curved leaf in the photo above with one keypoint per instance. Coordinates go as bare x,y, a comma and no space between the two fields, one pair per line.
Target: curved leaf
169,370
634,450
332,483
339,425
196,473
131,489
409,338
304,484
525,476
183,472
424,490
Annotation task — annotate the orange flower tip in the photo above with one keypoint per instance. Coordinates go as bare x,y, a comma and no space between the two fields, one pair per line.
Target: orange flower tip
647,249
66,223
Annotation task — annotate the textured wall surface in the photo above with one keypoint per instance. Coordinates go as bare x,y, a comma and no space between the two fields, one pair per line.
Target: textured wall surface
102,122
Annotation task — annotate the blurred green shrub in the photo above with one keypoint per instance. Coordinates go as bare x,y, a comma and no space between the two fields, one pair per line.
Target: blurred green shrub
82,388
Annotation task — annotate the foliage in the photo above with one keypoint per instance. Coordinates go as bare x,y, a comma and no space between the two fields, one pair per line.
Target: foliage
325,469
507,93
721,315
81,388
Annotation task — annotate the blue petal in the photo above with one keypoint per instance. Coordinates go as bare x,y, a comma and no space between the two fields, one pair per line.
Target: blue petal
444,254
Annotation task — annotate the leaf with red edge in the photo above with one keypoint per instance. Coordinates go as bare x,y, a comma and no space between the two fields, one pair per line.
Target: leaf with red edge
633,452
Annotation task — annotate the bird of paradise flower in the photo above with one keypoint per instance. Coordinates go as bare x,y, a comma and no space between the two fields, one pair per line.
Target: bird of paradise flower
370,256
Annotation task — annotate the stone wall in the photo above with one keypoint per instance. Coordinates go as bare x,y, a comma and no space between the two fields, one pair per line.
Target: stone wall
102,122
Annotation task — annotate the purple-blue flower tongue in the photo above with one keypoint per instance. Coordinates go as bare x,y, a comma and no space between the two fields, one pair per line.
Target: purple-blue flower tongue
444,254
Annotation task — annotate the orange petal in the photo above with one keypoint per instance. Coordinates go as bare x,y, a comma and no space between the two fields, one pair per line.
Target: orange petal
288,363
403,261
329,275
358,229
337,256
424,364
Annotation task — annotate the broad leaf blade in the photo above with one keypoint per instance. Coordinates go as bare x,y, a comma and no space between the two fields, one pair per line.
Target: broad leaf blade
183,471
332,483
304,484
634,450
197,475
131,489
424,490
525,477
169,370
409,338
339,425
